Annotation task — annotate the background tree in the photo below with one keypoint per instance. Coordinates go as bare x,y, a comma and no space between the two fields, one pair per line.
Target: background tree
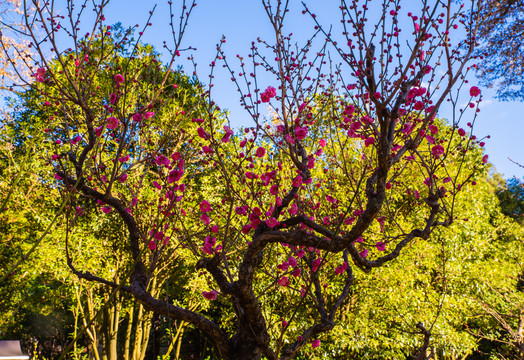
511,197
123,327
501,53
15,47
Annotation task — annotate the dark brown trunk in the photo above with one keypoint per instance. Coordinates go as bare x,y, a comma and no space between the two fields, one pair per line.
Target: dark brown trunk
244,349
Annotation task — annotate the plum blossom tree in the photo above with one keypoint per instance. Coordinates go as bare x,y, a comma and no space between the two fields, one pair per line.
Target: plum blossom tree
279,209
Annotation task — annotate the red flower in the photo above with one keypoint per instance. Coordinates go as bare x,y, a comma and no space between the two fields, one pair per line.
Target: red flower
205,206
271,91
112,123
283,281
210,295
369,141
437,150
272,222
261,152
300,133
202,133
474,91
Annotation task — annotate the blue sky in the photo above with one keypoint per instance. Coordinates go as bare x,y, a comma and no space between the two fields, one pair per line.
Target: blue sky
244,21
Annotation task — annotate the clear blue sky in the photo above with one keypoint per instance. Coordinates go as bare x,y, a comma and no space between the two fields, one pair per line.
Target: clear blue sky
242,21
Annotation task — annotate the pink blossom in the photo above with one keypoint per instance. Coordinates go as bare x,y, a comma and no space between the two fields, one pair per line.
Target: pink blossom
316,264
302,107
369,141
123,159
293,209
106,209
112,98
119,78
292,261
461,132
210,295
227,135
149,115
322,142
137,117
152,245
261,152
381,246
157,185
112,122
274,189
474,91
340,269
272,222
174,175
315,343
349,220
437,150
419,105
297,181
433,129
205,206
300,133
79,211
485,159
364,253
283,281
264,97
201,132
205,219
58,177
240,210
122,178
76,140
209,244
40,72
271,91
162,160
207,149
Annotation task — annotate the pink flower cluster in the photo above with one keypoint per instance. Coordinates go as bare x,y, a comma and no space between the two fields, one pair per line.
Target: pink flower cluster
267,95
210,295
40,72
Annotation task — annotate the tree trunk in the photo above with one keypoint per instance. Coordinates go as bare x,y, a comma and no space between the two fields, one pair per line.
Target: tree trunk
242,348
